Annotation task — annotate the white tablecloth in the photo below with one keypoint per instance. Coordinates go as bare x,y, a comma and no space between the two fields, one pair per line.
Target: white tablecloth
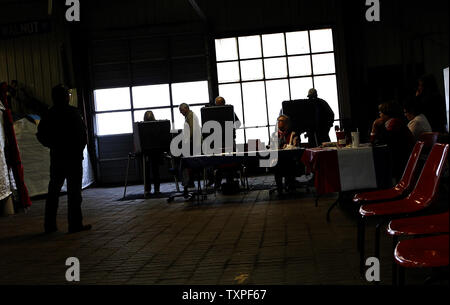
356,168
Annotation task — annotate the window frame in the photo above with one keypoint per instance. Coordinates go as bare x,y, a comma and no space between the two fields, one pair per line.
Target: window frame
288,77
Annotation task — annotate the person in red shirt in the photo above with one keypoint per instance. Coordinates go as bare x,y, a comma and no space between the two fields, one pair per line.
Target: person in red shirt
391,129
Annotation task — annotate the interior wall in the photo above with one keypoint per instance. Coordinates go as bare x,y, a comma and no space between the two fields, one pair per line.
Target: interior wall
37,61
385,58
376,60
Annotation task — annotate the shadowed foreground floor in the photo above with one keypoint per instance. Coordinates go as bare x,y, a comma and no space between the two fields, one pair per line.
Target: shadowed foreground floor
249,238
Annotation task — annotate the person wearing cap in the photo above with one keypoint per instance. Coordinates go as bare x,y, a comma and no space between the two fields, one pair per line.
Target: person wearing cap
324,120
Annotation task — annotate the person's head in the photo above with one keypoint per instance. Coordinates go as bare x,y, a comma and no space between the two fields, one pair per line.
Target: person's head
219,101
389,110
411,110
283,122
184,109
149,116
426,84
60,95
312,93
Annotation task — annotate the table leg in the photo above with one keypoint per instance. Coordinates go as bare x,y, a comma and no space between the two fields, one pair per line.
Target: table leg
333,206
317,200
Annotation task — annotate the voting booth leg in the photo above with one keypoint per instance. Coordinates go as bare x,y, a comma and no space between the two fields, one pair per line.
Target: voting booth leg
144,171
130,155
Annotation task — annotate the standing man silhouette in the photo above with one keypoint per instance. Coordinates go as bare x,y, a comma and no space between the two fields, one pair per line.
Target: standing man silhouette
63,131
324,120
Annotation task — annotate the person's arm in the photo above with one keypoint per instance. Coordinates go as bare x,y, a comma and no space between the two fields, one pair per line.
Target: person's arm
296,140
190,121
44,132
414,128
378,130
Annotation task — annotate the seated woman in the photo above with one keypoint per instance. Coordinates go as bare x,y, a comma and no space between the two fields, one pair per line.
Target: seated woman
285,139
390,129
418,122
151,160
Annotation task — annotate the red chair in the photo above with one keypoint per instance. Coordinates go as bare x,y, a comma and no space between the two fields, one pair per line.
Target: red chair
426,252
422,225
398,191
420,198
402,187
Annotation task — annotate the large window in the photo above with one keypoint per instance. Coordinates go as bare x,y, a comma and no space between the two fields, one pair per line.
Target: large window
257,73
117,108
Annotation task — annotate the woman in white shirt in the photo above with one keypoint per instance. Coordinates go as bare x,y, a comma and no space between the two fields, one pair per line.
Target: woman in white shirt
418,122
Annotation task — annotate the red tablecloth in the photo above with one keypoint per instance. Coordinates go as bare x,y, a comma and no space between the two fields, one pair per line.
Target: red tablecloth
324,164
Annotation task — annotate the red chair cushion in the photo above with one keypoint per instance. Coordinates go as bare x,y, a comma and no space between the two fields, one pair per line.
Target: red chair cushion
430,224
402,206
423,252
379,195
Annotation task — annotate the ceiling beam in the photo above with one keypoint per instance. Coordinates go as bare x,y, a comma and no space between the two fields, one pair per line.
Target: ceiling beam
198,10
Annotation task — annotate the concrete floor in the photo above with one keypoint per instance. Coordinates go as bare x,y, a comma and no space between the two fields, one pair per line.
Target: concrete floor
249,238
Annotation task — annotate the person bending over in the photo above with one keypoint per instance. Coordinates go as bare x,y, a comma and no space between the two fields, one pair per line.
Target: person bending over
285,167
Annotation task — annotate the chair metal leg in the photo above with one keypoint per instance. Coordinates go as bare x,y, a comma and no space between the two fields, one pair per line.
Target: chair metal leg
362,245
333,206
377,240
358,235
394,264
401,276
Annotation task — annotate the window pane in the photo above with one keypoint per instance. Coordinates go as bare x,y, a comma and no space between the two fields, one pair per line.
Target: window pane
321,40
226,49
323,63
160,114
297,42
112,99
228,72
114,123
254,104
251,69
190,93
299,65
300,87
249,47
257,134
273,45
151,96
240,136
277,92
275,67
232,95
327,89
